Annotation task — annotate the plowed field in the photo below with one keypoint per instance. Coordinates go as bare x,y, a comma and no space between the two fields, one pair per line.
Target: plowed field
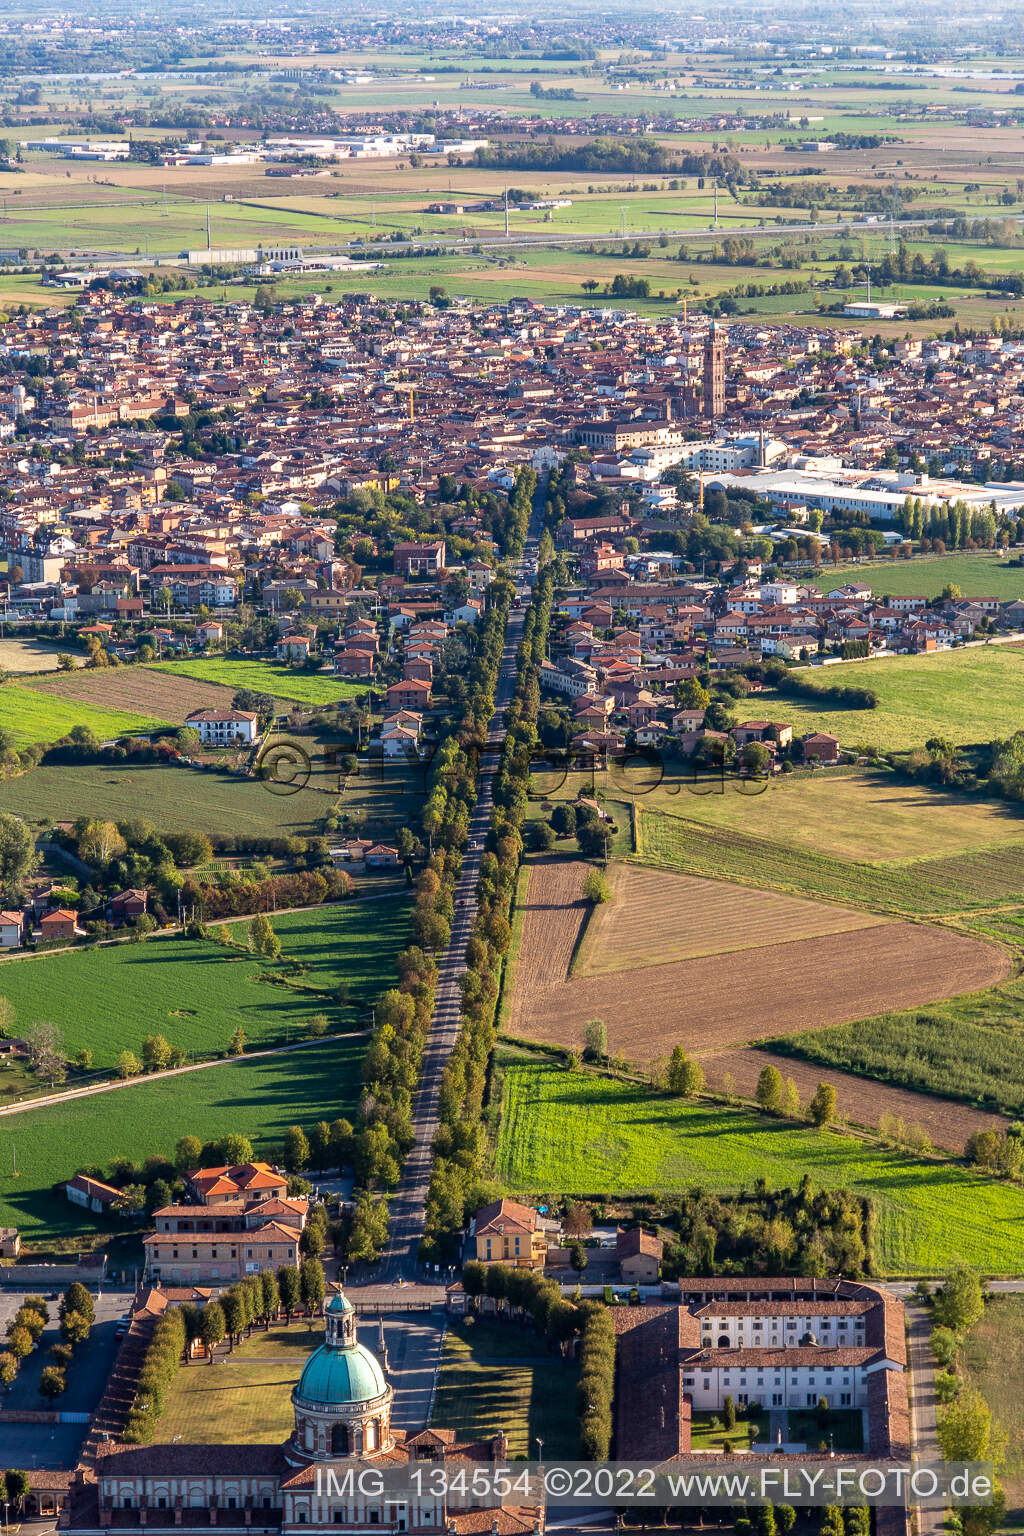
164,695
715,999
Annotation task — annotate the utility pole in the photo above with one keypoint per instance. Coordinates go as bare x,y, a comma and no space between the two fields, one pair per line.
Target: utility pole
209,242
506,213
716,204
622,221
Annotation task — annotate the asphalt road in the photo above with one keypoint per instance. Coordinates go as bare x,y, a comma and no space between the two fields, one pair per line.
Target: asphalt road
409,1199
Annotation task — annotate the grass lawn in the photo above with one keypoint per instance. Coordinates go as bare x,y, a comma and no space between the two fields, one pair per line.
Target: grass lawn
843,1429
966,695
860,815
586,1135
35,716
708,1431
245,1397
259,1099
498,1376
982,575
175,799
266,677
198,994
992,1358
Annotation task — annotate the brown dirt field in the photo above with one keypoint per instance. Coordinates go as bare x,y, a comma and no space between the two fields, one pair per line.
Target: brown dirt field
731,999
160,694
555,914
656,916
859,1100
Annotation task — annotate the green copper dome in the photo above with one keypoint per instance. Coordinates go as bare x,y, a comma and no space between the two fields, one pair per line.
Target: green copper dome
338,1374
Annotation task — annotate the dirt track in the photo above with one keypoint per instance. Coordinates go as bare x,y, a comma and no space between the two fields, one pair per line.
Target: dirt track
729,999
858,1099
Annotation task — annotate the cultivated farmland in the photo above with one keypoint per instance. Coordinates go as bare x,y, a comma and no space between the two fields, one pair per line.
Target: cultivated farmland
312,688
174,798
35,716
197,994
807,982
859,1101
582,1134
27,654
656,917
860,815
981,878
259,1099
163,694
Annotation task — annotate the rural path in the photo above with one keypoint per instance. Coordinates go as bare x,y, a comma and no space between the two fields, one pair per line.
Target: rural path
409,1199
155,1077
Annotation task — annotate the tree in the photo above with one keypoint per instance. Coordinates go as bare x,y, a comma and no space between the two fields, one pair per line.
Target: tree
289,1289
20,1342
212,1327
684,1076
596,888
156,1053
262,938
595,1036
17,857
78,1298
52,1382
74,1328
8,1368
790,1106
822,1108
312,1286
341,1143
296,1148
99,842
236,1045
769,1089
270,1299
187,1152
316,1026
157,1196
46,1052
691,694
233,1307
127,1064
965,1429
578,1257
960,1302
577,1222
729,1412
7,1018
130,1201
235,1149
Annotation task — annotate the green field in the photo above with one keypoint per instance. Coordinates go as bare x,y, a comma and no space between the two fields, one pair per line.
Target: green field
259,1099
957,883
497,1376
266,677
35,716
969,1048
992,1359
174,799
246,1397
964,695
975,575
854,813
197,994
587,1135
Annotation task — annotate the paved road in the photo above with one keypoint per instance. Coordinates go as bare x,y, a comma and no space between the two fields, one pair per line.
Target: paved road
923,1401
407,1203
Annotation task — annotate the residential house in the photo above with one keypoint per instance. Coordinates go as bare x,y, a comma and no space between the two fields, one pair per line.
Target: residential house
639,1255
224,727
410,693
91,1194
819,747
506,1232
61,924
292,648
12,925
